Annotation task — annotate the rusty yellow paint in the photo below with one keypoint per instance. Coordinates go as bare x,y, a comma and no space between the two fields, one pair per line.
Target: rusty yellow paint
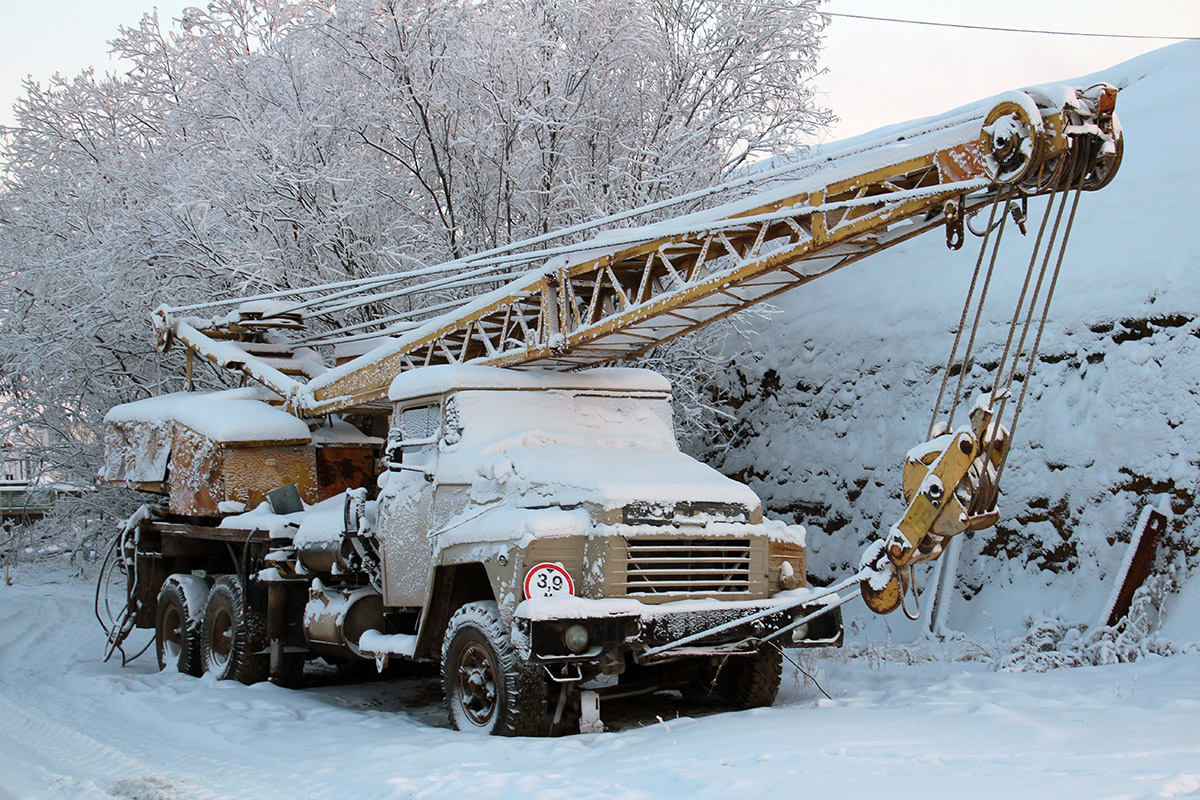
369,383
925,507
545,296
251,472
888,599
960,163
818,228
626,302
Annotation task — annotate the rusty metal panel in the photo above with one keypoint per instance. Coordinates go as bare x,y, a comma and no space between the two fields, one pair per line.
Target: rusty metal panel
959,163
194,479
203,472
1145,549
345,466
251,471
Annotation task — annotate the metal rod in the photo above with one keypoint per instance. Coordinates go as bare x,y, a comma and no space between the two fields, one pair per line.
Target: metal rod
787,606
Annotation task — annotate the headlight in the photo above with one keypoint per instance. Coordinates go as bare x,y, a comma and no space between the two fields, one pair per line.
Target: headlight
575,637
799,632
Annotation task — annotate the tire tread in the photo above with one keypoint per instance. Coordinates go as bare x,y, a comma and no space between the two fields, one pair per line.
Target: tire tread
246,663
523,695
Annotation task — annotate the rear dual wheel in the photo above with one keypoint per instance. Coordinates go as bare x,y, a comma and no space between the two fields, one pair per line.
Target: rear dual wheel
198,630
233,635
181,603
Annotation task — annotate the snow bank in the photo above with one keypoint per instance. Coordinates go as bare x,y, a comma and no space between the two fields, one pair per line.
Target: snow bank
850,370
910,728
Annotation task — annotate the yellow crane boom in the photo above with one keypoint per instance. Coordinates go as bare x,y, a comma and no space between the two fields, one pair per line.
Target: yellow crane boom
631,289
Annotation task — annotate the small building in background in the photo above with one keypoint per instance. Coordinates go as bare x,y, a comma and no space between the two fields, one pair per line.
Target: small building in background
22,498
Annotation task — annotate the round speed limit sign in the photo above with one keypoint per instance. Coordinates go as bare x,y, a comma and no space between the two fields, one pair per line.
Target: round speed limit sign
548,580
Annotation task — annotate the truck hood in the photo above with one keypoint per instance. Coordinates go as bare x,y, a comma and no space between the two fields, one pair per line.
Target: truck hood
564,475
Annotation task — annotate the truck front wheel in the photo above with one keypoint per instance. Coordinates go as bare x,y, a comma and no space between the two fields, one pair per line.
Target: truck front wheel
177,623
488,687
233,634
752,681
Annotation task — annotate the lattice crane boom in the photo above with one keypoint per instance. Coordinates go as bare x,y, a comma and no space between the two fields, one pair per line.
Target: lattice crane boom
632,289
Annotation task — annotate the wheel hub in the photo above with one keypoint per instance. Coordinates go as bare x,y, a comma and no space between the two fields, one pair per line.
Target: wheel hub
221,641
173,632
477,684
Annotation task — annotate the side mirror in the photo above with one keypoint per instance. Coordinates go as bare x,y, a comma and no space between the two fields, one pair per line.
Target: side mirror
395,465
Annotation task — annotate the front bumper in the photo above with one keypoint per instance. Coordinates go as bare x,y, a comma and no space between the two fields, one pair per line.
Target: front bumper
632,628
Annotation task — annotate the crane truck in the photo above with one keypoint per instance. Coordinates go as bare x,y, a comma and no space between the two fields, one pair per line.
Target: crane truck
475,489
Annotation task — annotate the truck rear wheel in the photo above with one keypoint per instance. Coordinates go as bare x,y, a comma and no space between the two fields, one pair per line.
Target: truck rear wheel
177,623
488,687
233,635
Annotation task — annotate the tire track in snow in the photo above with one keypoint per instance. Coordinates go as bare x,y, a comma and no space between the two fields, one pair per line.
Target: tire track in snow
56,753
63,754
83,733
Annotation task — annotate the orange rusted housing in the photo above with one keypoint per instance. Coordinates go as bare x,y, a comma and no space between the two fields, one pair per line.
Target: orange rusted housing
345,466
202,473
198,471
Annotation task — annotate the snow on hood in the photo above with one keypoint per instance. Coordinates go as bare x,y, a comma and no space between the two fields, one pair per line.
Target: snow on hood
570,474
568,446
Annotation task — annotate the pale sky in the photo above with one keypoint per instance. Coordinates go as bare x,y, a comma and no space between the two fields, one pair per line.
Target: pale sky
879,73
882,73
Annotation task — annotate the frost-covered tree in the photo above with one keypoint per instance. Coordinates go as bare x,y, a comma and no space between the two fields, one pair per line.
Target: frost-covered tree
259,144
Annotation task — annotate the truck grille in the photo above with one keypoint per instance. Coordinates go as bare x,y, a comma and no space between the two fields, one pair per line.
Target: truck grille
687,566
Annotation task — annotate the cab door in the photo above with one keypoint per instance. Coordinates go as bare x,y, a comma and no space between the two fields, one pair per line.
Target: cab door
406,504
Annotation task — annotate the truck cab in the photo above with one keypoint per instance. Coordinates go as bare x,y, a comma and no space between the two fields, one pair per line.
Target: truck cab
551,520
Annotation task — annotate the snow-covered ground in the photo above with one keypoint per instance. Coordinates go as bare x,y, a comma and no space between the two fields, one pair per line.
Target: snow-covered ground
72,726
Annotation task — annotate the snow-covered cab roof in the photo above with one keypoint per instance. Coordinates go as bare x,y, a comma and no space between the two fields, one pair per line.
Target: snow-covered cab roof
443,378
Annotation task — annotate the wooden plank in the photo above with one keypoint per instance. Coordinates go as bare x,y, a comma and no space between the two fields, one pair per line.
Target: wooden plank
237,535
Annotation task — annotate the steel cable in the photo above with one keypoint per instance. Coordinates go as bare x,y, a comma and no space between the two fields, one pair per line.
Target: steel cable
1081,167
987,282
963,319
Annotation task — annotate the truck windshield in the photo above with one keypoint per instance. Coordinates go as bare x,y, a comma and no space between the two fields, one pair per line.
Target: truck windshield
530,418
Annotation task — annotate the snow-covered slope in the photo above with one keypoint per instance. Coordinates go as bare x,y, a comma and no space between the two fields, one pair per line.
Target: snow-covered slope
849,371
